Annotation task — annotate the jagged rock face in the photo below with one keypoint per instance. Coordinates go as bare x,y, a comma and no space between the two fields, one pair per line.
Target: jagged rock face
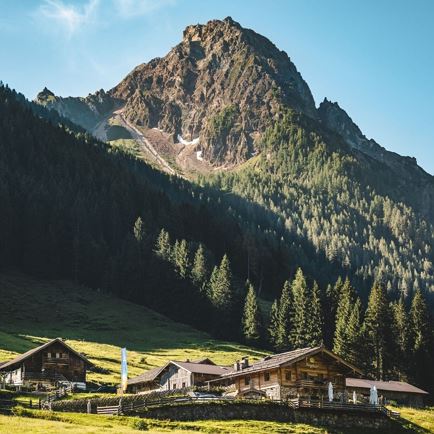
223,83
86,112
408,173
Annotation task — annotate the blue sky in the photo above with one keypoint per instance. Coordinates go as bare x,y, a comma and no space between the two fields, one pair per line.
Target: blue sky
375,57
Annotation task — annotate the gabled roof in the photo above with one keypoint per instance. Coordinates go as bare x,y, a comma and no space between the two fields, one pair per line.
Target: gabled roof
389,386
36,350
199,367
288,358
202,368
147,376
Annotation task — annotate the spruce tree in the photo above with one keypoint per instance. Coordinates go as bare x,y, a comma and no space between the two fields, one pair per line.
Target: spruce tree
284,319
251,321
314,321
376,332
343,313
163,247
332,297
401,338
199,272
181,258
421,342
220,286
299,309
139,230
273,326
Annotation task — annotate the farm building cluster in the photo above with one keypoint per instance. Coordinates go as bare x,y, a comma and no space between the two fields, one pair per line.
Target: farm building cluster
307,373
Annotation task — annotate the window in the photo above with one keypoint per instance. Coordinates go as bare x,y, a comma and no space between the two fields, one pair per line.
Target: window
174,386
183,385
266,376
57,355
247,380
288,375
48,355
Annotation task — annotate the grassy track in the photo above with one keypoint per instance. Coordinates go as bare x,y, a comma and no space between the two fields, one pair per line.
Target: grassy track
98,325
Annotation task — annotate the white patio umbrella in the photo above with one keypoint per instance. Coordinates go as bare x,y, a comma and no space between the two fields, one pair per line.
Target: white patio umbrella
330,391
354,397
375,397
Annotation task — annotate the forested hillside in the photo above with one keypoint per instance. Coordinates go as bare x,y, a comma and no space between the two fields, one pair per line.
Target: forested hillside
342,211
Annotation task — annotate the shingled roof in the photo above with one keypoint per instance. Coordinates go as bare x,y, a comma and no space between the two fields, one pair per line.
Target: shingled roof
287,358
26,355
198,367
386,386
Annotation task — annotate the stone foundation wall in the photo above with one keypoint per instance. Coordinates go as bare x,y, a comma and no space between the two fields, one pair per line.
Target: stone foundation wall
269,411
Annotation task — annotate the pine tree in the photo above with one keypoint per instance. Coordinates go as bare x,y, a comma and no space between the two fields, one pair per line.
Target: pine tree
273,326
343,313
139,230
163,247
181,258
299,309
284,319
199,272
251,320
376,332
401,338
421,342
314,322
220,286
332,297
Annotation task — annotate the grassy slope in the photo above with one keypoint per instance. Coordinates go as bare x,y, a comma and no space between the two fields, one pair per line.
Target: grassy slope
98,325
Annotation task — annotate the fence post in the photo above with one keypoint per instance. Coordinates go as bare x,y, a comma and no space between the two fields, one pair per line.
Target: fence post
30,403
89,407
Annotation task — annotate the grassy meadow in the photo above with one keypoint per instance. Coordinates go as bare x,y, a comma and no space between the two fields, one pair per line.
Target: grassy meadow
99,325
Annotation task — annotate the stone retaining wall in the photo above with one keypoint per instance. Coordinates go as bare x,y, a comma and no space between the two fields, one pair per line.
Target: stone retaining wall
270,412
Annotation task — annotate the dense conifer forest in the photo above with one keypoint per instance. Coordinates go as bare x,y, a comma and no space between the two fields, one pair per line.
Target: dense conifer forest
280,228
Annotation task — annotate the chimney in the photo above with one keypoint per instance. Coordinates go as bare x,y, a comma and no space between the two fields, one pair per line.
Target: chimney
237,365
245,362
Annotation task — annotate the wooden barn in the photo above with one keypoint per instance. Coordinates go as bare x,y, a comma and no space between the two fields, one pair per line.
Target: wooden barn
46,366
303,373
177,375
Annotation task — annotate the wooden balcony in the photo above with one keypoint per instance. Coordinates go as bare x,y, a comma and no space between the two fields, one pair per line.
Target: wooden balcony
317,384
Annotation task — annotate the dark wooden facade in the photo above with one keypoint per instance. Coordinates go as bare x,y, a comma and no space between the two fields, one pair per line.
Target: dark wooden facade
50,363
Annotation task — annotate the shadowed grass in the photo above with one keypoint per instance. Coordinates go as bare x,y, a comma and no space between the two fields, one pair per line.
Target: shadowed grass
99,325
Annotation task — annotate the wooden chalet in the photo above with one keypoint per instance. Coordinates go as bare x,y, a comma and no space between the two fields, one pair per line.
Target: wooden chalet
303,373
177,375
398,391
46,366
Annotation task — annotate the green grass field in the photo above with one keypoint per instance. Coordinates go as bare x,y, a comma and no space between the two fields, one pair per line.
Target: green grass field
38,422
98,326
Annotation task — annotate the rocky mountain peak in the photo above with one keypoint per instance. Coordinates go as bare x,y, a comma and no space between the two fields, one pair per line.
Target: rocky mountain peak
223,84
45,95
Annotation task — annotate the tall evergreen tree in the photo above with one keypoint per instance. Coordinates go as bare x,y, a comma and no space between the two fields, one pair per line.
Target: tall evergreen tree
332,297
300,307
273,326
401,339
421,342
377,333
251,321
284,319
220,285
314,321
181,258
163,247
199,272
139,230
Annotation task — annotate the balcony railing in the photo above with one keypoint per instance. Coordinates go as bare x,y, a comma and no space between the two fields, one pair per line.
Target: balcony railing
318,384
